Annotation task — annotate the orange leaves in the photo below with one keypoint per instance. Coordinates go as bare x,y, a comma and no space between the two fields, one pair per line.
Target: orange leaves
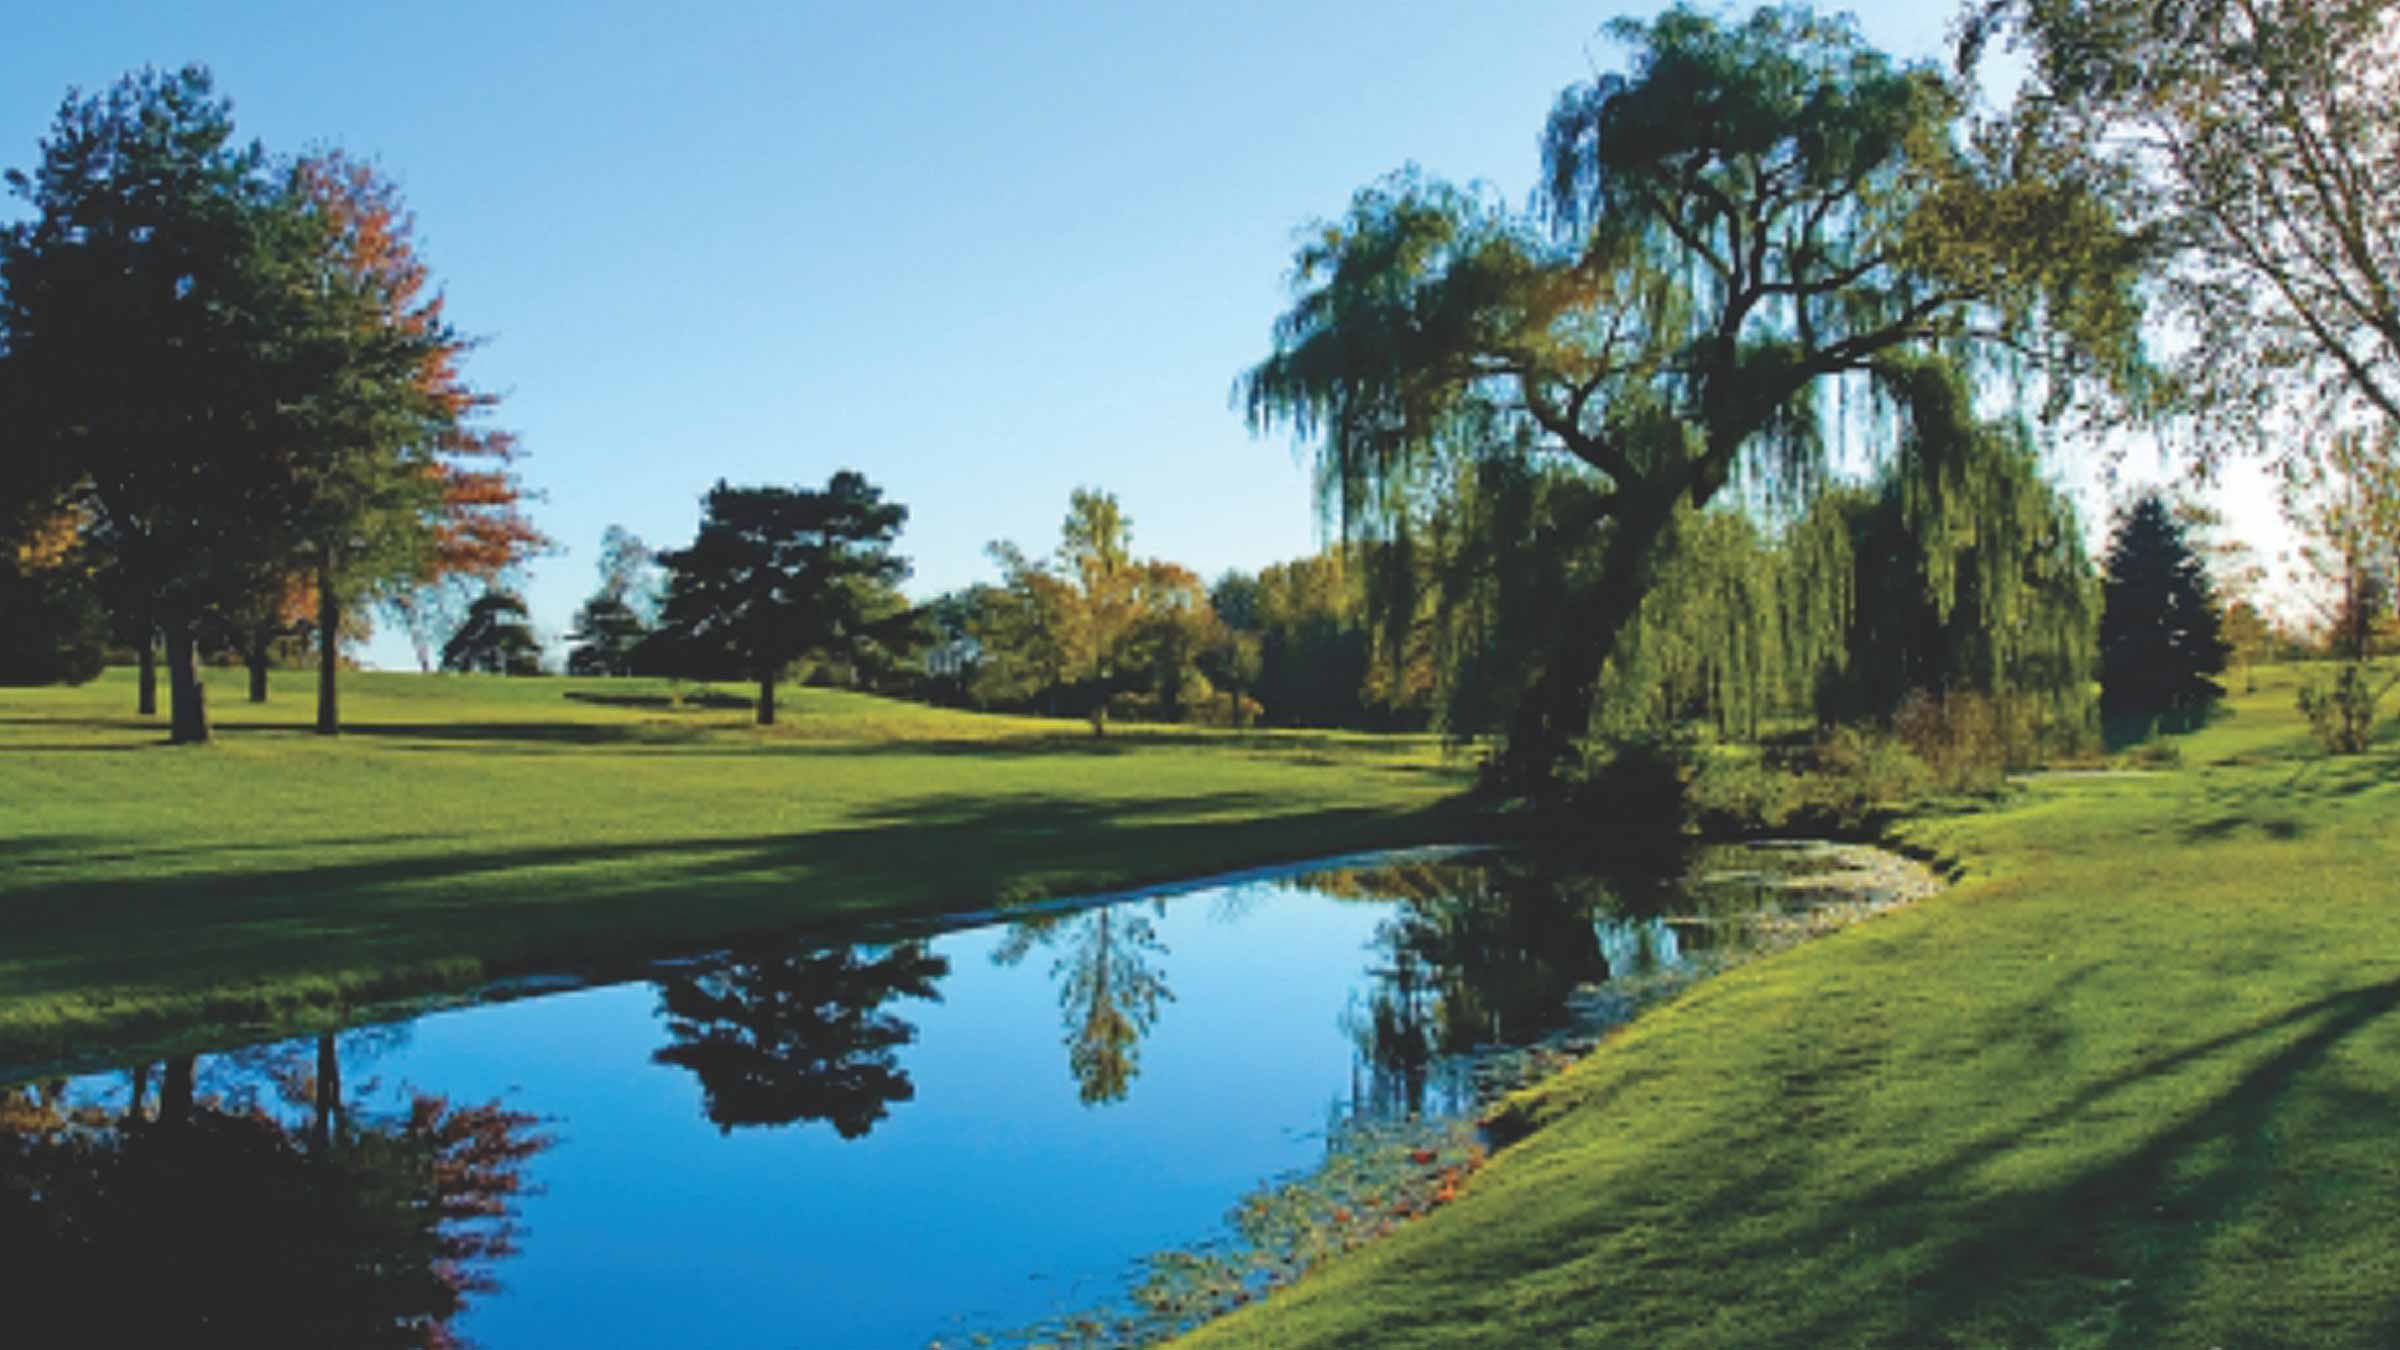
48,544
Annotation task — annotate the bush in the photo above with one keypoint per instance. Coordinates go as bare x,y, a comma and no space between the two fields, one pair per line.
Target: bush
2341,711
1734,794
1961,739
1860,772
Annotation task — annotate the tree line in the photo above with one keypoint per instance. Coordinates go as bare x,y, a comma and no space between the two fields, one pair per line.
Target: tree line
232,405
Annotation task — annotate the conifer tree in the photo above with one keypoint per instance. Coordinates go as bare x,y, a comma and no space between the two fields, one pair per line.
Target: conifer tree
2159,623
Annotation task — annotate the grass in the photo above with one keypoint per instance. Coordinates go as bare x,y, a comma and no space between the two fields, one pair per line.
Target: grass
2131,1082
466,827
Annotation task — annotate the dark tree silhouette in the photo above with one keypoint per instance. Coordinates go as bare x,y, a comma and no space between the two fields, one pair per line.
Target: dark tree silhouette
778,573
236,1227
778,1038
495,639
2159,638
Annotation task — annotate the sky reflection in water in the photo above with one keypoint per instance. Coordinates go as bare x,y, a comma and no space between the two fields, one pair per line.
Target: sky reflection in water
856,1146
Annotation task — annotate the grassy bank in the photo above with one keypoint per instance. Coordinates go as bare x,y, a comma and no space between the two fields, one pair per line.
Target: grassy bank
470,826
2131,1082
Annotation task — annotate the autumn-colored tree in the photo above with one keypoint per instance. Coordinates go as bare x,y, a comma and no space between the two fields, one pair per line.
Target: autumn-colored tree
1093,624
409,488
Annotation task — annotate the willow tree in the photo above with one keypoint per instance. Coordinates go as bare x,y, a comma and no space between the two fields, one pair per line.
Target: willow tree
1753,211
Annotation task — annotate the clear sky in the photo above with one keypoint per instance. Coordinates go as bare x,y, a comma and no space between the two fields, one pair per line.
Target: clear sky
984,253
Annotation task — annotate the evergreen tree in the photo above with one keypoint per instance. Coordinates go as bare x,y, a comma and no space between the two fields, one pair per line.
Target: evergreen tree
495,639
779,573
2159,622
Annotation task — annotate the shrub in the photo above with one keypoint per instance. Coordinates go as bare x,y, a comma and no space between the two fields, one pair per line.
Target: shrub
1961,739
2341,711
1859,772
1733,794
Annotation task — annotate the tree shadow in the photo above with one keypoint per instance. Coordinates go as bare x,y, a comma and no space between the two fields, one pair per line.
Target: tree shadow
2124,1240
610,906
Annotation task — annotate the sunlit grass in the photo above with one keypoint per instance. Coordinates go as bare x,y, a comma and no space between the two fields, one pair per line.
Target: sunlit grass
466,826
2132,1082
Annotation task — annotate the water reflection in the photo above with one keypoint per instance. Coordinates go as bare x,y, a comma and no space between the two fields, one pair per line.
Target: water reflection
253,1204
1490,953
778,1037
308,1193
1110,984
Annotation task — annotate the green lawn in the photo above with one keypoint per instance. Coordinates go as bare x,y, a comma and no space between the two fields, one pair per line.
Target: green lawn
2134,1081
470,826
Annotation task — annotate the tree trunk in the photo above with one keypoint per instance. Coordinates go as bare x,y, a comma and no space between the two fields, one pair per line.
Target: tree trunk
147,703
187,698
175,1094
328,1094
141,1091
329,654
766,699
1556,715
255,656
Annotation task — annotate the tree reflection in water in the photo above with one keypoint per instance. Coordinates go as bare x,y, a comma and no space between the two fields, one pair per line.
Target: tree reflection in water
1478,954
1110,986
252,1205
782,1037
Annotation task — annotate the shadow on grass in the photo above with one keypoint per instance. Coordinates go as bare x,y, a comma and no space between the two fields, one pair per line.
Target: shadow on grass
2124,1242
232,933
2288,806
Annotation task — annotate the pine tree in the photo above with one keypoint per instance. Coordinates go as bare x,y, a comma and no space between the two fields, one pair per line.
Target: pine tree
2159,624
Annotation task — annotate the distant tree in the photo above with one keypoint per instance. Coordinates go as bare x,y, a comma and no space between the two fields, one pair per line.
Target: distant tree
612,624
776,574
1020,627
629,572
781,1037
2344,502
1238,658
2159,636
1092,625
53,629
606,637
495,639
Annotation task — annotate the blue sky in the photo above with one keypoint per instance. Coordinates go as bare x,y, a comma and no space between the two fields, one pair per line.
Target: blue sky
983,253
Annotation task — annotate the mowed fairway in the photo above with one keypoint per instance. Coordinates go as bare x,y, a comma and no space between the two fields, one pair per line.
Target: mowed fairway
468,826
2135,1081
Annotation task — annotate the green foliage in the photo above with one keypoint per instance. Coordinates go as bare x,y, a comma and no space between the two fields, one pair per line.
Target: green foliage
495,638
2341,709
776,574
53,629
2249,145
2123,1085
1755,209
1094,629
2159,639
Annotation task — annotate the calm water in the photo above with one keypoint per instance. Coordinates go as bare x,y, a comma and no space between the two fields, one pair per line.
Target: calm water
867,1145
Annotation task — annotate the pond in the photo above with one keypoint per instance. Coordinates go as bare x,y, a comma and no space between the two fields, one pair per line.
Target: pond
880,1143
